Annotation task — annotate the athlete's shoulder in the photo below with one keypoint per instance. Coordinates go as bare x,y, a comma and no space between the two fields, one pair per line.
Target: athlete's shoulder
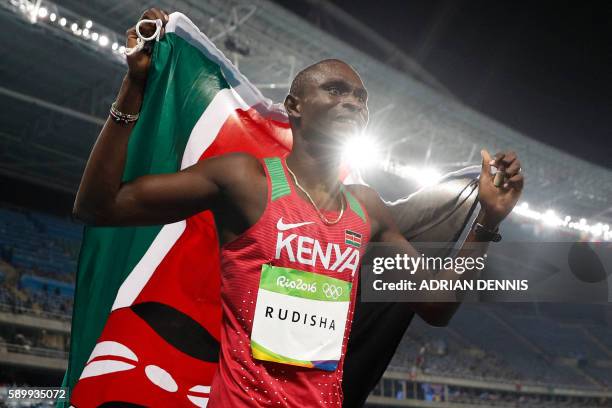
232,167
379,214
366,195
241,161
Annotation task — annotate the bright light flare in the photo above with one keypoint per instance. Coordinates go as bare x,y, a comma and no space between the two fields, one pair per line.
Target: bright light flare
361,152
427,176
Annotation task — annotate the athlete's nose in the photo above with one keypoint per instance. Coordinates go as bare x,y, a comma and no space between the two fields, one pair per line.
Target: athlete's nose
352,104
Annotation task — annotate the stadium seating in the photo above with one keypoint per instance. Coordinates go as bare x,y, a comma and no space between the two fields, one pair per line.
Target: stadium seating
39,252
40,243
479,344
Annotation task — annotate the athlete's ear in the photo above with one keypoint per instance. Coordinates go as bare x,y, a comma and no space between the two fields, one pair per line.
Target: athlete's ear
292,105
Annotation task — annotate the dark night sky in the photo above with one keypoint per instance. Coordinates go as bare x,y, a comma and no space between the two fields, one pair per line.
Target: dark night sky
543,68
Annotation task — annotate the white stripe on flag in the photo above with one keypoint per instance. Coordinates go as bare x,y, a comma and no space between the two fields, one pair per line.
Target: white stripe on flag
144,269
208,126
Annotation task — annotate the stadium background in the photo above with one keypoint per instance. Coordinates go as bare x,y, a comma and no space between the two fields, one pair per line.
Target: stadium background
57,82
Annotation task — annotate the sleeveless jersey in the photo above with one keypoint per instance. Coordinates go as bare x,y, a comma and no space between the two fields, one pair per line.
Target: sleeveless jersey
288,288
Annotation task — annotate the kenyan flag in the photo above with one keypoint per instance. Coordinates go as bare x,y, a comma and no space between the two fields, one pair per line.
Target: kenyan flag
147,313
352,238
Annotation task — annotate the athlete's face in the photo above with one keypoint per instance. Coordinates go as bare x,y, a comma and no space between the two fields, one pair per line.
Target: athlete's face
332,106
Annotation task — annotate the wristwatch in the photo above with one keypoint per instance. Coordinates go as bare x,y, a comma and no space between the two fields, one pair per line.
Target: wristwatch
484,234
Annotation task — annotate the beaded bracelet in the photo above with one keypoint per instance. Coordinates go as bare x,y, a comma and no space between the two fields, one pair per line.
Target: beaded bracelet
120,117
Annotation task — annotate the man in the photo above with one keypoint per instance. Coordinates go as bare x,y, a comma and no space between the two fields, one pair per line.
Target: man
291,235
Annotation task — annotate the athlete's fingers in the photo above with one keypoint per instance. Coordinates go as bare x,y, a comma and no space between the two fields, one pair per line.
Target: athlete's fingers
497,159
165,19
131,37
514,168
508,158
517,181
163,16
485,171
148,29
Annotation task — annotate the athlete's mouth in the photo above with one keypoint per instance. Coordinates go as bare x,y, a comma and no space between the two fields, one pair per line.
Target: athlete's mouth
348,119
356,122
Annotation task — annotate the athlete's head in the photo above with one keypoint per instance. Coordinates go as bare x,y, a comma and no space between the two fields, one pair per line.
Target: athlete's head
327,103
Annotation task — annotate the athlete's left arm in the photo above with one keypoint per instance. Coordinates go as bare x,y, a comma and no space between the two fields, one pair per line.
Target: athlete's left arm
496,203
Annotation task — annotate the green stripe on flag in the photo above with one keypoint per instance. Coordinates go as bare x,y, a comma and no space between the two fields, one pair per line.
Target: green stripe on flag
353,243
181,83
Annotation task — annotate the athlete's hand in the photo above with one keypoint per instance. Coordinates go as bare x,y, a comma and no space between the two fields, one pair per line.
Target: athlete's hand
138,63
498,202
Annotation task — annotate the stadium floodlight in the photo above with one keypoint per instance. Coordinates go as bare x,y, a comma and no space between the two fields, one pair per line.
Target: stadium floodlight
524,210
551,219
361,152
54,17
115,46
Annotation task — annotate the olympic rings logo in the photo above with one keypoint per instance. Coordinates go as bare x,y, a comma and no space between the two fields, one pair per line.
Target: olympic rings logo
332,291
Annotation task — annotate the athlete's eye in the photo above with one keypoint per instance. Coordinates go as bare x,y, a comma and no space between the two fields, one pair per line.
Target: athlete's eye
334,90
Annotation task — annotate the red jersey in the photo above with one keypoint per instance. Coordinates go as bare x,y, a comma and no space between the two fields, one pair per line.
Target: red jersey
288,287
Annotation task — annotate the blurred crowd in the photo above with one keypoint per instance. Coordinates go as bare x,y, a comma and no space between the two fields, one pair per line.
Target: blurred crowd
44,303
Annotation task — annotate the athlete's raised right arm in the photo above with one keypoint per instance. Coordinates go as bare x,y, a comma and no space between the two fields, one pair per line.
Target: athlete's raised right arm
102,199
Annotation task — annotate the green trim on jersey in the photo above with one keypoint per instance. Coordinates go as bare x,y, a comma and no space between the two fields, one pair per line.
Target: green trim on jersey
354,204
278,179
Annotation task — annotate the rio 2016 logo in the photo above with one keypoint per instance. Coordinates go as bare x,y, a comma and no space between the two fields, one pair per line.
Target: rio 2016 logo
298,284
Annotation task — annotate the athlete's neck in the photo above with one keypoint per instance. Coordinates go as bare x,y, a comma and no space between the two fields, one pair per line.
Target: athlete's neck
319,175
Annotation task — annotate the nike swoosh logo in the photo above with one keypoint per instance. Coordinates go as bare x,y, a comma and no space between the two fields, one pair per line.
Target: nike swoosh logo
281,226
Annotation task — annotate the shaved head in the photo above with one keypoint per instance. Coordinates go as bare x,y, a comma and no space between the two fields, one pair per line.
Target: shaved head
305,76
